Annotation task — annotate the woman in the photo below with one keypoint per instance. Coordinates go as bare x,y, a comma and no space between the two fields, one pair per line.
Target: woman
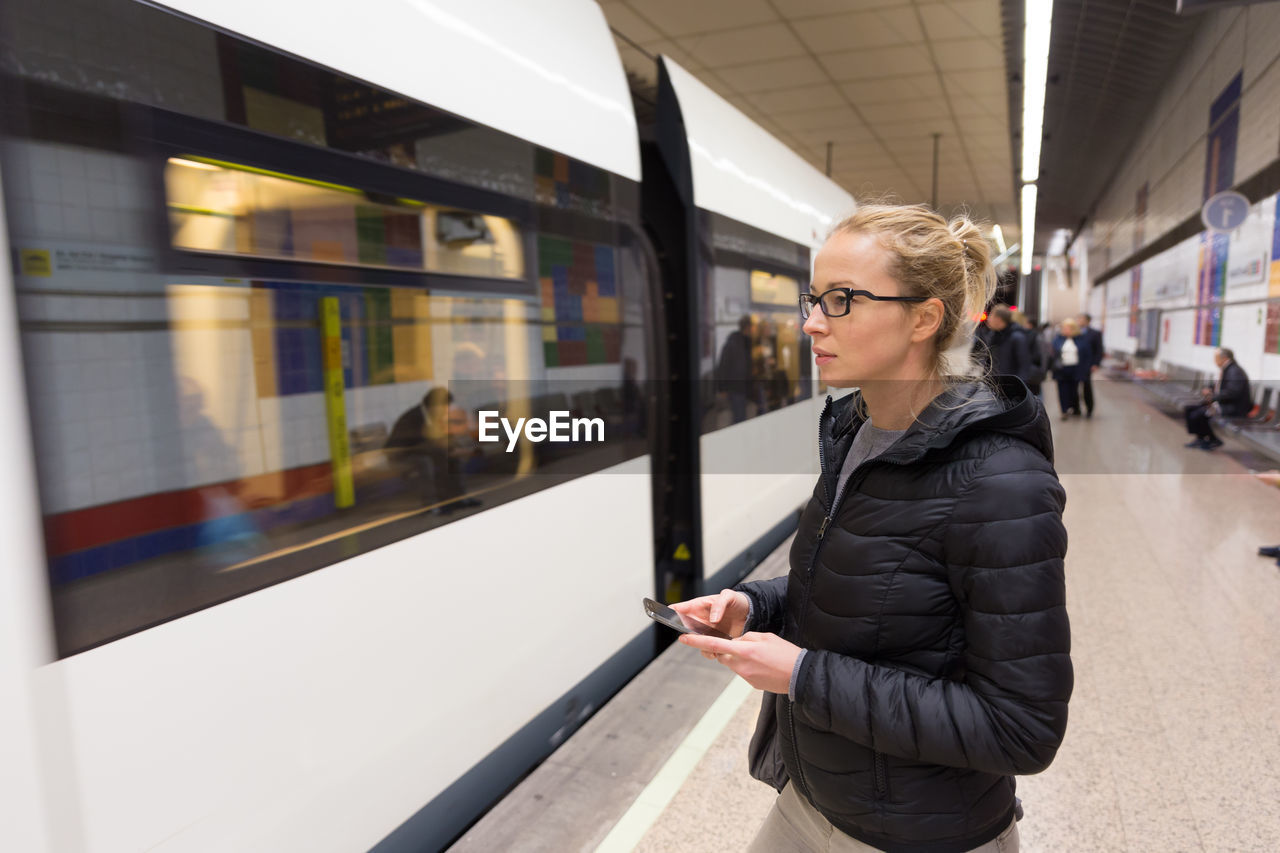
918,649
1072,355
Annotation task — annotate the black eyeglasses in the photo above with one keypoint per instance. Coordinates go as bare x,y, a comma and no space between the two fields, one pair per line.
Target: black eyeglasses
837,301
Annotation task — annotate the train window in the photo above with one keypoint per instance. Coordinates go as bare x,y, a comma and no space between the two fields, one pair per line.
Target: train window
235,209
240,371
755,356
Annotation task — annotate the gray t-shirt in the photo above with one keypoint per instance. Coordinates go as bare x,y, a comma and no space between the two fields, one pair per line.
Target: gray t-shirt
868,443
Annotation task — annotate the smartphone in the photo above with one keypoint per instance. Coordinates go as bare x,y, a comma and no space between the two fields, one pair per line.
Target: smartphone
684,624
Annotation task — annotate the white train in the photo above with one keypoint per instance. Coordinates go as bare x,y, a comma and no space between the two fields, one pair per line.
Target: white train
263,589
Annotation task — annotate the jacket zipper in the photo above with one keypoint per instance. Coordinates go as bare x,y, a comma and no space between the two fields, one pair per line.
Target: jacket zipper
813,561
826,519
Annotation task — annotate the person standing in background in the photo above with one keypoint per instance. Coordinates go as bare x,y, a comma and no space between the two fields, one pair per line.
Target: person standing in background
1039,352
1071,356
1093,338
1003,345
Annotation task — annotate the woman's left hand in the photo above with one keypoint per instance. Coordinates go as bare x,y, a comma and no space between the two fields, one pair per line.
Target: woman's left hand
764,661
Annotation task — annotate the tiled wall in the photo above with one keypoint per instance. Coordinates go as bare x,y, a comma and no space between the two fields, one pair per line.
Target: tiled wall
64,192
1169,153
112,347
111,423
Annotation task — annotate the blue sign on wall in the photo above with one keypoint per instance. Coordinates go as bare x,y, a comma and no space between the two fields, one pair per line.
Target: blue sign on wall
1224,212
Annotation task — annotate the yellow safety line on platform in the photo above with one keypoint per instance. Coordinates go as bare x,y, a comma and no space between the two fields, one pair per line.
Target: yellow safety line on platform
628,831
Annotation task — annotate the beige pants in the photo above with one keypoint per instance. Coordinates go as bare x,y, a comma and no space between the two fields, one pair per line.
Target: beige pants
795,826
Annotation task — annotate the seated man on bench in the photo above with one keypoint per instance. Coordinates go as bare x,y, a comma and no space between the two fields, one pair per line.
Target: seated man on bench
1229,398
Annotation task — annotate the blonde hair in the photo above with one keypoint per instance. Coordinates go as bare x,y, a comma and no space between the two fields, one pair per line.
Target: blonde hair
937,259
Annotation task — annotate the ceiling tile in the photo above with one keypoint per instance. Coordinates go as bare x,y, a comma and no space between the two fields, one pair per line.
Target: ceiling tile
927,108
880,62
835,33
966,54
968,107
627,22
798,99
681,17
905,22
860,165
892,182
982,15
842,138
773,76
996,105
916,132
809,8
891,89
992,137
985,82
942,22
743,46
993,179
822,119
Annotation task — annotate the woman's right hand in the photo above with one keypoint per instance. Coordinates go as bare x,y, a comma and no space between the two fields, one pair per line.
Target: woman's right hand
726,611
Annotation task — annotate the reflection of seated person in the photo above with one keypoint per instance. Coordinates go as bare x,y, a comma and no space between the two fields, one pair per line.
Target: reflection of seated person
428,445
225,523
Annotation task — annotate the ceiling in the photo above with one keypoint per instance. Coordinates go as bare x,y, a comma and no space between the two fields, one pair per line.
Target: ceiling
1108,62
876,79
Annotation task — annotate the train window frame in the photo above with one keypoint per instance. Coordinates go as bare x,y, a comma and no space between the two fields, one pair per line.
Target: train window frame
727,243
176,136
44,112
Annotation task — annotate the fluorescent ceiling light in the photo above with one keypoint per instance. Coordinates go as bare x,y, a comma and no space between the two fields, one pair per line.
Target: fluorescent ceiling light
1028,225
999,235
1000,258
1035,69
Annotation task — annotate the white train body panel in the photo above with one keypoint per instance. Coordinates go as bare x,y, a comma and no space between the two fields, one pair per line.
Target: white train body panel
319,713
25,628
739,506
742,171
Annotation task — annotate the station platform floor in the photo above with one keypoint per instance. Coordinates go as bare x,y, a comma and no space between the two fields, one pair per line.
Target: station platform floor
1174,735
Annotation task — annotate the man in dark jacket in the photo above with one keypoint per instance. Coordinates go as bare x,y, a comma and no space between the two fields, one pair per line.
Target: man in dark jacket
1003,345
733,372
927,595
1229,398
422,449
1092,338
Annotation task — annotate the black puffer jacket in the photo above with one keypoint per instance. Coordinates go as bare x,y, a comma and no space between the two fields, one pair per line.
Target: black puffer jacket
933,605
